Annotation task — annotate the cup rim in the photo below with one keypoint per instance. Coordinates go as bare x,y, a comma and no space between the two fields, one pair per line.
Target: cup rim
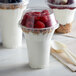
60,6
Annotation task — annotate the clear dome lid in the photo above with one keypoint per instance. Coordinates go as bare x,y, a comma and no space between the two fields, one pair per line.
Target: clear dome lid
35,16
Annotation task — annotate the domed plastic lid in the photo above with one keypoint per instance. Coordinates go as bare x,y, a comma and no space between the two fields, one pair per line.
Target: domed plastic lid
38,19
61,4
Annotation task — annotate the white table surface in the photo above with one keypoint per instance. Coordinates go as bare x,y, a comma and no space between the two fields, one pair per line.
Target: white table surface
14,62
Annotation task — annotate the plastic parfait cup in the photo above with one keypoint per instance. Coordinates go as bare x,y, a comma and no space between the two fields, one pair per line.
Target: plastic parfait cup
64,11
38,26
10,14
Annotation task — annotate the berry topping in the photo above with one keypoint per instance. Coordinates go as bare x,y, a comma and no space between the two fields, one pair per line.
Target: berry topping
48,24
29,24
45,12
44,19
23,22
39,24
36,13
38,19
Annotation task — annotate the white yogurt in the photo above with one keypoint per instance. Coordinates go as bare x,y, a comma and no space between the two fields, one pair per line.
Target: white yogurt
38,46
11,32
64,16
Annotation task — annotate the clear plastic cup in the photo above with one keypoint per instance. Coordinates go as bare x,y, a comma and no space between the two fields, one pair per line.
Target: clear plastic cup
10,14
38,42
64,15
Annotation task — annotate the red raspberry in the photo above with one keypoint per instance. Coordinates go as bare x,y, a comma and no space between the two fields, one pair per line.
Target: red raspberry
45,12
29,13
49,23
44,19
23,22
29,16
37,18
29,24
39,24
36,13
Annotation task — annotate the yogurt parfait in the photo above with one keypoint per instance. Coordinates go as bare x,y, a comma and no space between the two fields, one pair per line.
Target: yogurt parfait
64,11
38,26
10,14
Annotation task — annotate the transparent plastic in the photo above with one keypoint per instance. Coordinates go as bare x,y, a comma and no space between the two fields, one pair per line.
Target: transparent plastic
10,14
38,43
54,22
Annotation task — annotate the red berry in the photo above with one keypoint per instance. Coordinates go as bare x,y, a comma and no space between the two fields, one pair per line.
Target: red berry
39,24
45,12
29,16
29,24
37,18
24,19
49,23
29,13
23,22
44,19
36,13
